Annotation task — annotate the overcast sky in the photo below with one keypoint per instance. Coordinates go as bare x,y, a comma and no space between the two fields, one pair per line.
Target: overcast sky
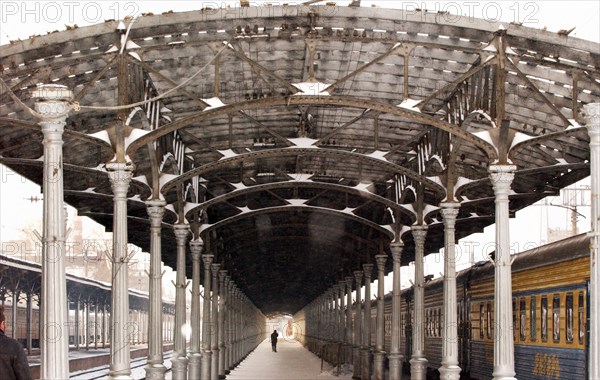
21,19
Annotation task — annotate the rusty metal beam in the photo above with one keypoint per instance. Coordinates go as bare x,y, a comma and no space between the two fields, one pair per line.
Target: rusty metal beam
303,184
337,101
257,66
334,154
400,47
172,83
271,210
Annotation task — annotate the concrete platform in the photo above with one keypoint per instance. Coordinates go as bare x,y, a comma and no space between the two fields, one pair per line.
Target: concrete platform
291,361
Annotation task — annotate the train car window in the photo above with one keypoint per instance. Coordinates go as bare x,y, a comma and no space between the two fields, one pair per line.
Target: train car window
514,316
532,319
581,317
481,320
522,318
544,317
488,320
402,324
556,318
435,322
569,317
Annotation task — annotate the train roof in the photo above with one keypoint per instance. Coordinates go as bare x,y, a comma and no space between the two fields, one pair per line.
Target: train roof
547,254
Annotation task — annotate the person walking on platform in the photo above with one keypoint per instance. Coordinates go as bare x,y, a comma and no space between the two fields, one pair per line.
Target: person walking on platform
13,362
274,340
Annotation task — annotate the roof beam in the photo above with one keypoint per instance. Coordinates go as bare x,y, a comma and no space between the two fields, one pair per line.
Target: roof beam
297,100
335,154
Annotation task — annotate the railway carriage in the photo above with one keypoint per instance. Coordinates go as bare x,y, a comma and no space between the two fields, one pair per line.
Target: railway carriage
549,312
550,315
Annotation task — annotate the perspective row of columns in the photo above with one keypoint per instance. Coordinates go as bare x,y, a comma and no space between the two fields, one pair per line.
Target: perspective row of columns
52,105
225,326
243,320
326,328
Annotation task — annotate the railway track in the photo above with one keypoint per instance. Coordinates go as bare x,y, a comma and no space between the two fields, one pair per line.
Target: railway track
137,369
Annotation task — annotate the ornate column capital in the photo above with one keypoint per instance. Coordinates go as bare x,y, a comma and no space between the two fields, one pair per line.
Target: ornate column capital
368,270
341,287
181,232
196,248
215,269
223,275
502,177
349,282
358,274
381,261
207,260
449,212
397,248
591,113
120,175
333,291
419,232
156,211
52,103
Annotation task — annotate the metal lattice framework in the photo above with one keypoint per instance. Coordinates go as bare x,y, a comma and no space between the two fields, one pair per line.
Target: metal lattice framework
304,139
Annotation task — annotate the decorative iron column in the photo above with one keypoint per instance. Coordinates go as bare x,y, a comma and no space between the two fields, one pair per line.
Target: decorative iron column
342,311
357,371
104,324
206,322
86,326
418,362
450,369
51,101
221,330
379,356
504,352
29,321
349,325
366,341
120,365
395,358
180,360
96,313
155,369
77,336
214,339
592,115
230,323
194,355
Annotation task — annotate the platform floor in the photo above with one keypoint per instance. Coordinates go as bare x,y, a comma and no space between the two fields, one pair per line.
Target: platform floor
291,361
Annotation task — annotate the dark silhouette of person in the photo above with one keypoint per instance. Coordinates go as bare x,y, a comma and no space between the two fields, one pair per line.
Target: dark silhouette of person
13,361
274,340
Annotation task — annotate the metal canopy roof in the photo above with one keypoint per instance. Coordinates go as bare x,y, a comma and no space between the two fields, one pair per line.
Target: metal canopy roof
298,139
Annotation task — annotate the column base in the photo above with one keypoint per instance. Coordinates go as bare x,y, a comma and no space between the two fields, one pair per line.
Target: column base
449,372
214,366
418,368
155,371
503,374
366,363
206,364
395,364
180,367
356,368
194,364
378,365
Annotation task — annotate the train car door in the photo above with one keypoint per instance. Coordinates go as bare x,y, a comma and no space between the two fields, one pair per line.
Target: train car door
587,327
